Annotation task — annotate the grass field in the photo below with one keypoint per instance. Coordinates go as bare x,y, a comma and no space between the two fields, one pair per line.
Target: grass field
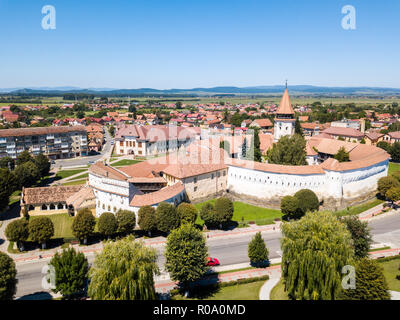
278,292
82,176
124,162
62,174
75,182
393,167
391,270
247,291
62,225
249,213
358,209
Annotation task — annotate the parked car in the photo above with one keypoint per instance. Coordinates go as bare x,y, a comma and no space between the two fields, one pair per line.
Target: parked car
211,262
91,162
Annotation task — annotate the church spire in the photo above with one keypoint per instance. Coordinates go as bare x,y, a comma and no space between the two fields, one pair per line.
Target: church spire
285,107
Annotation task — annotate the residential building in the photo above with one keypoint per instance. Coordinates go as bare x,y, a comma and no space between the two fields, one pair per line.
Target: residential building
55,142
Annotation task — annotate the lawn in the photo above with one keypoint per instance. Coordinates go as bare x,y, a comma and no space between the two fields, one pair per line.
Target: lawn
62,225
393,167
278,292
246,291
82,176
74,183
68,173
391,270
125,162
358,209
249,213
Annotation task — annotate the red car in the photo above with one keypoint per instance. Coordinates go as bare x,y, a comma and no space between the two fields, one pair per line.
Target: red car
211,262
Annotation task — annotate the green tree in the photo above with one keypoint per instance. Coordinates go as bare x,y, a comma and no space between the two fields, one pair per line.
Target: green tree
290,207
41,229
126,221
7,162
244,148
383,145
342,155
257,250
393,194
18,232
26,174
107,224
7,186
147,219
167,217
24,157
307,199
71,273
43,164
361,235
386,183
224,208
185,255
124,270
209,215
394,151
187,213
289,150
297,128
83,225
315,249
8,280
370,282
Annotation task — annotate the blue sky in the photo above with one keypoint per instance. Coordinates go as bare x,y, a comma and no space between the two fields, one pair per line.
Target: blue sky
185,44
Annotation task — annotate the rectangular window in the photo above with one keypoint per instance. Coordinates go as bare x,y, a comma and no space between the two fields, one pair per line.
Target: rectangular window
121,143
195,189
195,180
212,176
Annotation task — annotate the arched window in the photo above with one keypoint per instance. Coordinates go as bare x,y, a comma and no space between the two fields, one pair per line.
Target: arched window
31,207
44,207
52,206
60,206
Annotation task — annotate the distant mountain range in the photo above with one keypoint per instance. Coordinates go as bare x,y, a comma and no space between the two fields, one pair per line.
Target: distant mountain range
259,90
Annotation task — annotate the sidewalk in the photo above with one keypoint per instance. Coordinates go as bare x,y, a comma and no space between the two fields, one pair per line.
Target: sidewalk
166,286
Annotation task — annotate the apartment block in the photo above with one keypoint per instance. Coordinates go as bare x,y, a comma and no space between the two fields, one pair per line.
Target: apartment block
55,142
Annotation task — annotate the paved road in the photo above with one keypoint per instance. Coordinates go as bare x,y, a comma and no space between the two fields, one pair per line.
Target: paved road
83,161
230,250
387,230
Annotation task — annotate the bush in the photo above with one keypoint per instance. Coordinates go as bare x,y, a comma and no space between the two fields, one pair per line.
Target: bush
187,213
41,230
167,217
290,207
308,200
147,219
126,221
107,224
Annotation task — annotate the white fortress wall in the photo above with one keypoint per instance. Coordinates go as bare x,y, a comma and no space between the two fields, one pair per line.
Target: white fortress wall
111,194
268,185
364,180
